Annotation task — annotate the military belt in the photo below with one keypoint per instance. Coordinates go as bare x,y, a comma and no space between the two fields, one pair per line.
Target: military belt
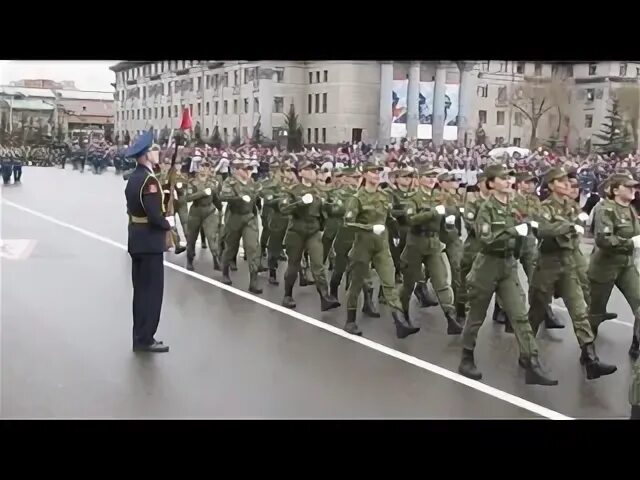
504,254
140,220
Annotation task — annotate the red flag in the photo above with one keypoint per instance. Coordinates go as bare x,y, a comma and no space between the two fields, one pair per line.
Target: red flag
186,122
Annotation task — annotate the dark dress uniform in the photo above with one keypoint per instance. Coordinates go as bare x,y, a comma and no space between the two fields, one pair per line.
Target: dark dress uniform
146,245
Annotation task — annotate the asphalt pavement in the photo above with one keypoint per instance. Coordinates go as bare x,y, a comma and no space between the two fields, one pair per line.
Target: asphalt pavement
65,336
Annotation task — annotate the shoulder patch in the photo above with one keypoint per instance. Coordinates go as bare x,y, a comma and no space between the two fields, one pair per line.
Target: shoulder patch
606,230
470,215
349,215
151,187
485,228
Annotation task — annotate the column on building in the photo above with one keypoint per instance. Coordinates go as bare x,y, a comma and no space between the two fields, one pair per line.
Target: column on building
385,111
265,98
413,92
465,102
439,93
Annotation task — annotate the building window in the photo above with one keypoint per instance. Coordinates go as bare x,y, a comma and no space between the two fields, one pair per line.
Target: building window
310,77
310,98
245,102
324,132
199,107
499,118
235,106
516,142
144,113
324,103
591,94
588,121
308,135
554,69
226,107
138,115
315,135
482,90
517,119
175,87
279,76
226,79
225,133
175,111
169,112
520,67
593,68
317,103
191,109
486,65
482,116
235,132
155,112
236,79
206,132
278,104
326,76
207,82
245,72
538,69
199,83
144,92
117,116
191,84
215,108
499,141
569,70
502,94
149,113
318,76
207,109
161,112
623,69
256,104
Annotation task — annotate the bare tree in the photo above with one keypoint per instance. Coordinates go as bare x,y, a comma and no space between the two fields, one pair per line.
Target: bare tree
535,98
628,97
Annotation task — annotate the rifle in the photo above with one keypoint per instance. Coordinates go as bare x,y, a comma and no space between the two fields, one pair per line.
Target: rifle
171,235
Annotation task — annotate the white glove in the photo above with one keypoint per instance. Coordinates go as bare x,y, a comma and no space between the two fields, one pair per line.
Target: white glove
167,192
579,229
522,229
636,241
379,229
533,224
207,191
396,242
175,195
246,198
450,220
461,210
583,217
179,185
172,221
307,198
440,209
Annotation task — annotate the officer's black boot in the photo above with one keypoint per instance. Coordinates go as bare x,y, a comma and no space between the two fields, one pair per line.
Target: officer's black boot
453,327
634,350
468,367
216,262
635,412
179,249
253,283
273,280
327,302
498,314
403,324
550,319
288,301
351,326
190,264
461,314
595,368
368,308
534,374
226,279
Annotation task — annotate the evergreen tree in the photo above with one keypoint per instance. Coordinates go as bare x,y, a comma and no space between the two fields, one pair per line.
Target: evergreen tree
257,137
294,130
216,139
236,142
614,134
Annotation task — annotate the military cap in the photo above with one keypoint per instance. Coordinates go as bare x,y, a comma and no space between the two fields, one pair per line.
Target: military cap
402,173
446,177
349,171
554,173
526,177
140,146
239,163
427,171
371,167
306,164
622,179
497,171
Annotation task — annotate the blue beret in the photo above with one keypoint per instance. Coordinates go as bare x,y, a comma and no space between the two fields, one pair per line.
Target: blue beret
140,146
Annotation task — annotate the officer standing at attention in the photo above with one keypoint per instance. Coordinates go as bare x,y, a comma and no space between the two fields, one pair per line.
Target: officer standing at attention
147,242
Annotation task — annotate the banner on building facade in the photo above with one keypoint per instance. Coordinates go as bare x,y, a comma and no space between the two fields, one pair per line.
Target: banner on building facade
425,110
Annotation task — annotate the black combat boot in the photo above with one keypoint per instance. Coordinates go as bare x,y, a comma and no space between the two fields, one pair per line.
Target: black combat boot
179,249
233,265
635,412
550,319
216,262
468,367
190,264
421,291
226,279
498,314
634,350
253,284
534,374
273,280
303,280
453,327
351,326
595,368
288,300
461,314
327,302
403,324
368,308
333,288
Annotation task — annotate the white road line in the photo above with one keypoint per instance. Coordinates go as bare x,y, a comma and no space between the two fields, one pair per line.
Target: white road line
443,372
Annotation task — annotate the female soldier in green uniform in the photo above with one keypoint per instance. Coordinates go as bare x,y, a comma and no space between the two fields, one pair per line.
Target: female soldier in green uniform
613,262
367,213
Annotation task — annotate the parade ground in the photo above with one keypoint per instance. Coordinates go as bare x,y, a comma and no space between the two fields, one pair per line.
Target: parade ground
65,336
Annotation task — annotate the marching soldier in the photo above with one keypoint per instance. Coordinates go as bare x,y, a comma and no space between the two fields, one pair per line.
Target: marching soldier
241,222
204,214
495,271
401,195
334,216
303,203
559,229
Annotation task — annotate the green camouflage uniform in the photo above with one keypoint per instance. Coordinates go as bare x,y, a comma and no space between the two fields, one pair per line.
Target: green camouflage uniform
203,214
471,246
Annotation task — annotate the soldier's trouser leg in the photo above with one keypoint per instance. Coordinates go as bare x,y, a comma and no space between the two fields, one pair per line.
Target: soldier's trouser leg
327,242
341,261
203,236
489,275
384,267
411,269
210,229
465,268
231,243
582,268
438,267
274,247
628,283
266,232
314,248
600,293
634,391
250,243
17,173
295,244
194,223
558,270
454,255
183,214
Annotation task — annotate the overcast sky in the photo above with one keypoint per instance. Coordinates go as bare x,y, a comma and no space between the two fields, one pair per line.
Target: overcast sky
87,74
